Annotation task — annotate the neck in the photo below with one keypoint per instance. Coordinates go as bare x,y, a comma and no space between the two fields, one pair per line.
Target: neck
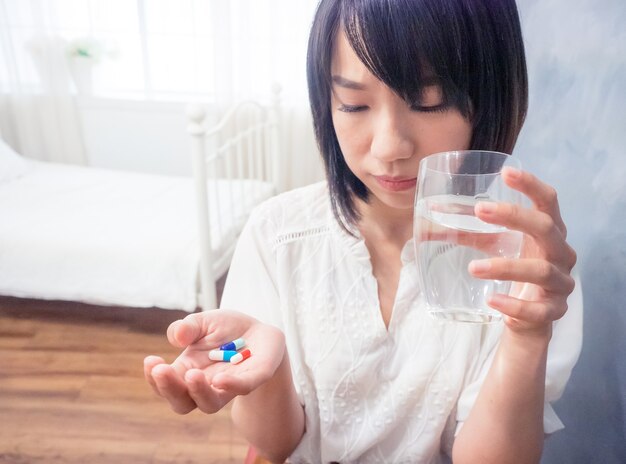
381,222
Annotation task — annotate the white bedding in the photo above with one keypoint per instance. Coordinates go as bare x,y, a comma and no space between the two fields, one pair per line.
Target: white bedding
109,237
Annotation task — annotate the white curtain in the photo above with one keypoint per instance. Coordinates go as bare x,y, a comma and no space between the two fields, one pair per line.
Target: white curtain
263,43
38,116
217,51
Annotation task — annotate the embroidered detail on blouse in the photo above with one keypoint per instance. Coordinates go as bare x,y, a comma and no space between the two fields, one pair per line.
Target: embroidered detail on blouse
292,236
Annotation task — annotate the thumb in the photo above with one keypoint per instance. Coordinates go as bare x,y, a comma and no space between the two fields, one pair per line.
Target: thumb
184,332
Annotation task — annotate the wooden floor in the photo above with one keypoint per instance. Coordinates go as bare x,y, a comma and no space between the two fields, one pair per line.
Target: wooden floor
72,390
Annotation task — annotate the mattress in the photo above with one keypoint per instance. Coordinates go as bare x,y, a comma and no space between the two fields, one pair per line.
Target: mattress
113,238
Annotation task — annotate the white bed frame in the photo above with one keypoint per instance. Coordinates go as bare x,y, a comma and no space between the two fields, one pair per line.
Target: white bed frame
245,144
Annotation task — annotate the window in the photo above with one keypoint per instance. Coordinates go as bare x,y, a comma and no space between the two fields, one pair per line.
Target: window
159,49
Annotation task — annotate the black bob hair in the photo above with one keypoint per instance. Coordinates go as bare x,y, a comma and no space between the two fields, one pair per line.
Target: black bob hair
474,48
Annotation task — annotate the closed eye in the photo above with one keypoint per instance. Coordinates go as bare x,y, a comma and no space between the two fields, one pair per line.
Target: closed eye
430,100
352,108
440,108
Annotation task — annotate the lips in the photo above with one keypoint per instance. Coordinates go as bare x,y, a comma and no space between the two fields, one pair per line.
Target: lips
396,184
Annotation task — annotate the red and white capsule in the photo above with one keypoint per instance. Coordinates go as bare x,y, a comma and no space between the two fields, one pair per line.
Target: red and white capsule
244,354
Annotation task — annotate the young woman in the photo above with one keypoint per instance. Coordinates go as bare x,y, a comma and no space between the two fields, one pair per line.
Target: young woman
346,364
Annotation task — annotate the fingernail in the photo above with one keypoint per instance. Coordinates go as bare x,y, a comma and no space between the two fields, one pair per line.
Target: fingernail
496,300
192,377
480,265
514,173
159,371
487,207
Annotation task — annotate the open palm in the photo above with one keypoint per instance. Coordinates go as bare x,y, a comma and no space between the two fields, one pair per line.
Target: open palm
193,380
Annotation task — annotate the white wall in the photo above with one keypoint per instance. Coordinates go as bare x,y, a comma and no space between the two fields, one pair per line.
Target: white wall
575,138
151,137
136,136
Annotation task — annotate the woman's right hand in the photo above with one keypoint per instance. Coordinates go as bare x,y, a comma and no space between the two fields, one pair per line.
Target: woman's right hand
194,381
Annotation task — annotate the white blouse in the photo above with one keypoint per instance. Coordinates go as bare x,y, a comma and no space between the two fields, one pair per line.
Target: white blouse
370,393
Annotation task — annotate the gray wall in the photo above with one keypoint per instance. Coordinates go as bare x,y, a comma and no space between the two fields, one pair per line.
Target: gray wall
575,138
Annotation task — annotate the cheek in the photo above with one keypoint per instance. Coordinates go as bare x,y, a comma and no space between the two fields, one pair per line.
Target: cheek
353,138
449,131
457,132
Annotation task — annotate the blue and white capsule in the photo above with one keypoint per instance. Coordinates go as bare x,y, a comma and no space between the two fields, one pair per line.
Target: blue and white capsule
234,345
221,355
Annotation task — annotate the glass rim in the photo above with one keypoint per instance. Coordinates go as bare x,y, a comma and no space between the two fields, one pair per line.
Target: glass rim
516,163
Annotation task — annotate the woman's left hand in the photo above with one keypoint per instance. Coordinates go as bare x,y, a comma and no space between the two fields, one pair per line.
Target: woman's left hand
545,262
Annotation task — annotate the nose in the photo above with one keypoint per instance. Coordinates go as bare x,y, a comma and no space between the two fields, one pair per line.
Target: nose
392,139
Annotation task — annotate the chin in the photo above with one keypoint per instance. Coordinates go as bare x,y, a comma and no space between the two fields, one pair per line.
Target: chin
397,200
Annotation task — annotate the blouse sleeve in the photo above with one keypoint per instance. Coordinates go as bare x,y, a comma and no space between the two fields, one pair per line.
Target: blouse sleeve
251,282
563,353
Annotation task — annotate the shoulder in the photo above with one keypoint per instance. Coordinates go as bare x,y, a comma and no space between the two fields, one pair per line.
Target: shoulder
298,211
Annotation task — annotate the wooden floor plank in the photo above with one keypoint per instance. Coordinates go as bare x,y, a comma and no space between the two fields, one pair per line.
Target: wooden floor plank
32,448
99,388
180,454
37,385
100,339
58,362
13,341
72,391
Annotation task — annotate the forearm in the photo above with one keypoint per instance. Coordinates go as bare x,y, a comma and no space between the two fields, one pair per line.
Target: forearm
506,422
271,418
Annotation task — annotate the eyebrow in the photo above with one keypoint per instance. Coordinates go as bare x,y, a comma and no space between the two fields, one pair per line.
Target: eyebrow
347,83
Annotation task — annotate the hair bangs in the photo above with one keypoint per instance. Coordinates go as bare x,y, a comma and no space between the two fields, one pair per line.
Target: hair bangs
412,48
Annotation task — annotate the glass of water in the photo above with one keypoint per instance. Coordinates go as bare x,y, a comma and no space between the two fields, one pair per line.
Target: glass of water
448,235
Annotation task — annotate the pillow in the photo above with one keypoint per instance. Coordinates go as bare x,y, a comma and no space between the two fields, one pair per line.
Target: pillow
12,165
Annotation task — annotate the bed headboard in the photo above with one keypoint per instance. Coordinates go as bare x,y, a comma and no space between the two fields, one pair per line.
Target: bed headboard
234,161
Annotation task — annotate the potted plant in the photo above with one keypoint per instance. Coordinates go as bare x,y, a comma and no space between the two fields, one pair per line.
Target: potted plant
83,54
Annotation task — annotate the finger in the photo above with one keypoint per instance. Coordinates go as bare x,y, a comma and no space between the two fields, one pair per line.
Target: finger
173,389
148,364
543,196
240,383
535,223
533,312
207,398
532,222
450,208
534,271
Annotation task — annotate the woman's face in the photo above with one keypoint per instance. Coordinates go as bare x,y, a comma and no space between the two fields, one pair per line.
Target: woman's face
383,138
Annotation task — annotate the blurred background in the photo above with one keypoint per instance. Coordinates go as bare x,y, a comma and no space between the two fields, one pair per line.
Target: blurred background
574,138
105,83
